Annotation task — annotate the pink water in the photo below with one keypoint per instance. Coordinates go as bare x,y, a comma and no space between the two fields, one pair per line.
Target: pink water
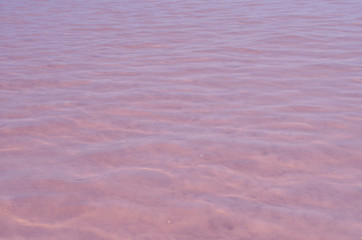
180,119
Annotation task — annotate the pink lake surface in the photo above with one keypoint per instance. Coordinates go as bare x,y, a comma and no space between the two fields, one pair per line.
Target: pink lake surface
180,119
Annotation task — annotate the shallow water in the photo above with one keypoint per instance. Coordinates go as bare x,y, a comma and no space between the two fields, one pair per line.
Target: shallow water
181,120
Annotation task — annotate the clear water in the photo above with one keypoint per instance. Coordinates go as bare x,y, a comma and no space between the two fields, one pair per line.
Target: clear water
180,119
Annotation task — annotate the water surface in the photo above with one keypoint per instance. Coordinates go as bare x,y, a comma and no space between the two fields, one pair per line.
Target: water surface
180,120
